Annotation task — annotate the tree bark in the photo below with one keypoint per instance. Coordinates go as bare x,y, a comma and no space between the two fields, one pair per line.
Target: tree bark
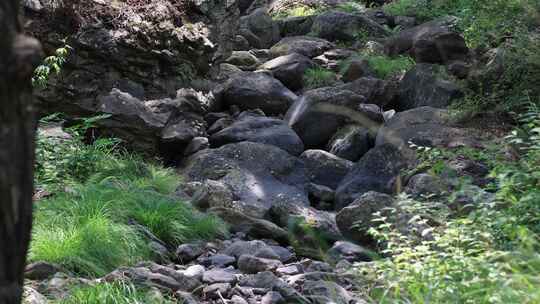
18,57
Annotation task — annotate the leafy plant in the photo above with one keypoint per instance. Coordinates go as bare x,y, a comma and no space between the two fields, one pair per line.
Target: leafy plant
51,64
488,256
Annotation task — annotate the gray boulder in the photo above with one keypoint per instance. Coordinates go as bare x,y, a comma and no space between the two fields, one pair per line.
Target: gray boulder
336,108
259,29
378,170
341,26
326,292
259,175
289,69
426,126
431,42
324,168
254,227
304,45
351,142
295,26
427,85
343,250
376,91
261,129
355,220
251,264
250,90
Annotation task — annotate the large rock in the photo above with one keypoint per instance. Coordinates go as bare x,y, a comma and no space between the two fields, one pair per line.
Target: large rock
244,60
250,90
289,69
324,168
377,171
426,126
155,125
254,227
304,45
259,29
261,129
309,229
295,26
427,85
342,26
355,220
335,107
376,91
259,175
431,42
153,275
148,50
351,142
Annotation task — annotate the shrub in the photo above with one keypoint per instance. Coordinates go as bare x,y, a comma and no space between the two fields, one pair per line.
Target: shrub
319,77
488,256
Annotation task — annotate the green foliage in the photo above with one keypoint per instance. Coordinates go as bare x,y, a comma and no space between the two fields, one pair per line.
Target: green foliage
351,7
319,77
297,11
488,256
481,21
51,64
383,66
88,229
112,293
386,67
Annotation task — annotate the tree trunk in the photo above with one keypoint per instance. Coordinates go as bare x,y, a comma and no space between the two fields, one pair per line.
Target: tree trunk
18,57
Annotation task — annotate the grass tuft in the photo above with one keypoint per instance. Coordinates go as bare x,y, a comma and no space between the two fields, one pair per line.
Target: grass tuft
87,229
319,77
112,293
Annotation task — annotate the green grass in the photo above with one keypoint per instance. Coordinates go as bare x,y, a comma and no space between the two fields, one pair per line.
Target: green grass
383,66
111,293
87,229
319,77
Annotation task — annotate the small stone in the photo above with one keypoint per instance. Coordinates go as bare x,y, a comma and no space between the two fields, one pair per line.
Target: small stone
343,250
219,276
215,290
195,272
218,260
288,270
189,252
252,264
272,297
238,300
185,297
40,271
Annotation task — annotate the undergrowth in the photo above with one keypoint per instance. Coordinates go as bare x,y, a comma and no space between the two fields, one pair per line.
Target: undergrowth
99,192
112,293
319,77
490,255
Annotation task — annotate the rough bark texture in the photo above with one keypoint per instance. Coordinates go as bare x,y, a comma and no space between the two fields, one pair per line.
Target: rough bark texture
18,56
